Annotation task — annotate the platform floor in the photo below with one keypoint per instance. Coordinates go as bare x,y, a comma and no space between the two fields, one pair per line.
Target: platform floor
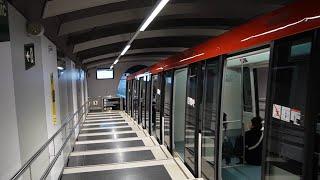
111,145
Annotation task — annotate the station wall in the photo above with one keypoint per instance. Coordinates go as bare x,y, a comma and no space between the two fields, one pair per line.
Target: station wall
10,149
109,87
29,92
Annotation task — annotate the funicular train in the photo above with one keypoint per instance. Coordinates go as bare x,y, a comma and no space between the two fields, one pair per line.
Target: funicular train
201,102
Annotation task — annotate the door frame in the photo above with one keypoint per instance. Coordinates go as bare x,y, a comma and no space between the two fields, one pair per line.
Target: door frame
221,111
163,94
197,118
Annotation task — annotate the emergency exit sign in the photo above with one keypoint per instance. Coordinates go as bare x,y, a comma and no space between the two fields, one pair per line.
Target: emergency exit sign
29,57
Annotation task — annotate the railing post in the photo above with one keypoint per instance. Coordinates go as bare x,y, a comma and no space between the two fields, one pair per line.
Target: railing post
54,148
68,138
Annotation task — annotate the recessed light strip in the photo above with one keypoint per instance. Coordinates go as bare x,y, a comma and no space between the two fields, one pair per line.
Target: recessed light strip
125,49
186,59
153,15
143,27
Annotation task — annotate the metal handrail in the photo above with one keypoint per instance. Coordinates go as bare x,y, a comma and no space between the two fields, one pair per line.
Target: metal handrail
47,143
52,163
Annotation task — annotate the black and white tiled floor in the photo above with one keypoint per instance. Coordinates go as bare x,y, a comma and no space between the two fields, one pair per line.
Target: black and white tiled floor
111,146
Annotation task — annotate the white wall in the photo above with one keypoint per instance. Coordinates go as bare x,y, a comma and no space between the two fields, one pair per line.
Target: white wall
49,60
63,95
29,93
109,87
74,76
10,150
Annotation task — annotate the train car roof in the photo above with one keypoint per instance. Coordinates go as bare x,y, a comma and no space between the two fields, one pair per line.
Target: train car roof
292,19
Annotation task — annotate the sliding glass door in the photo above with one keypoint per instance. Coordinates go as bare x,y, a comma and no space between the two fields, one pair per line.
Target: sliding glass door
209,117
194,87
156,107
202,117
167,108
292,139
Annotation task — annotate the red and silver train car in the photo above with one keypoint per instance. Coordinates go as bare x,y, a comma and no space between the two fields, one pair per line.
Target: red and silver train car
201,103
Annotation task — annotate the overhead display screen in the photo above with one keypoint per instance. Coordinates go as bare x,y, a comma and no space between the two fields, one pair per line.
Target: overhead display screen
104,73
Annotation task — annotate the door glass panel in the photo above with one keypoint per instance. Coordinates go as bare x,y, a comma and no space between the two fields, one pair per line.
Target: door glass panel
210,119
128,97
156,105
131,99
142,101
285,143
167,108
148,107
191,118
136,99
179,104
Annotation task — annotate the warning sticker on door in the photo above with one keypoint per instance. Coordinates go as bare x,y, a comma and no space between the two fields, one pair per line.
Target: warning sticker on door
295,117
276,113
285,114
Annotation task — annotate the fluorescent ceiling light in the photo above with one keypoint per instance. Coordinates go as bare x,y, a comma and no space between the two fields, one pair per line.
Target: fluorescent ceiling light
111,67
125,50
154,13
60,68
116,61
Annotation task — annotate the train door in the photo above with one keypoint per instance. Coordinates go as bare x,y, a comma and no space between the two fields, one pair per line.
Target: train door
242,114
192,117
156,107
202,117
209,117
167,109
291,146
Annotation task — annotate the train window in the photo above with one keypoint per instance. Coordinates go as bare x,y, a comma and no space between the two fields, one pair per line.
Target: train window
299,50
247,90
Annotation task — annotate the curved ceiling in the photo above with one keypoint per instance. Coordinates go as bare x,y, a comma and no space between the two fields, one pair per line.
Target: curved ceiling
94,32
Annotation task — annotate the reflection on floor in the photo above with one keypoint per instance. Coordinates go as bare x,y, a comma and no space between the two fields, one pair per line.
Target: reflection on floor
179,148
241,172
113,146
